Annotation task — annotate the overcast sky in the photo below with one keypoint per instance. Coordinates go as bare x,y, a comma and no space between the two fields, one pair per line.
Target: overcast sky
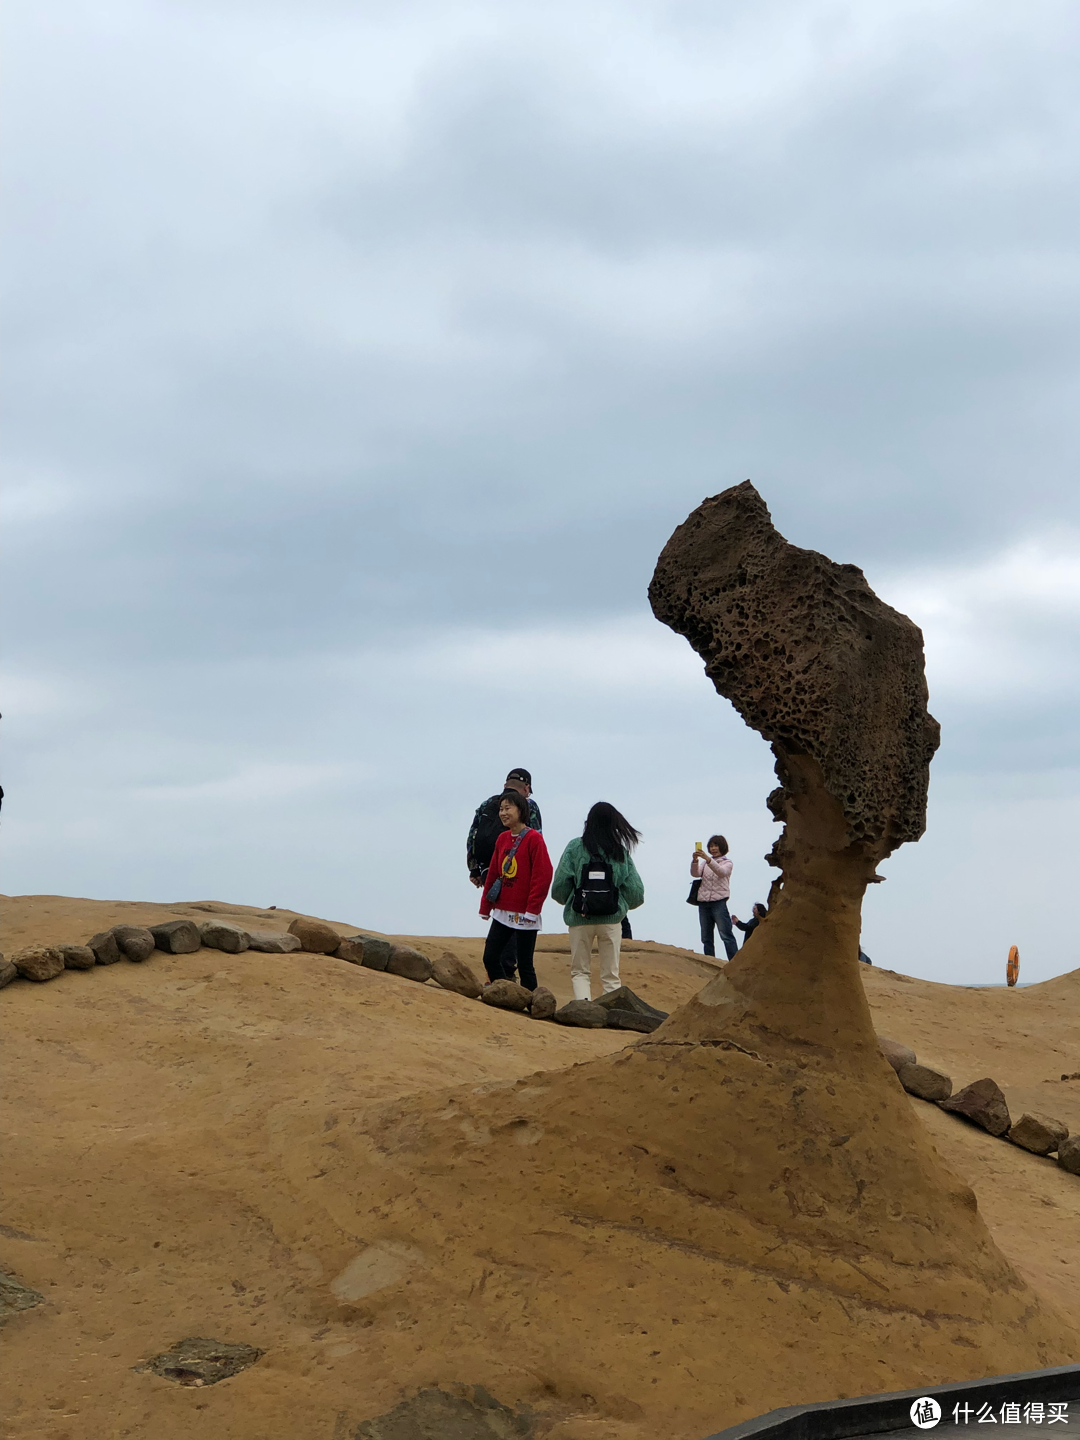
362,357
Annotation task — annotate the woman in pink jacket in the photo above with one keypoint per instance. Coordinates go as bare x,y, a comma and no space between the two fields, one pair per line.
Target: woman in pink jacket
714,872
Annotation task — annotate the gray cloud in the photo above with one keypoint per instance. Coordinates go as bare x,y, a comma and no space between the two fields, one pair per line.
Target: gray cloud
340,334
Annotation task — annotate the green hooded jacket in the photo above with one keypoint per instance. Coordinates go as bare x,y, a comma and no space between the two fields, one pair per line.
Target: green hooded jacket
624,873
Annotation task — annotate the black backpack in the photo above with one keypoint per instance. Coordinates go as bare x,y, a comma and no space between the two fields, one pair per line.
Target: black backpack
596,893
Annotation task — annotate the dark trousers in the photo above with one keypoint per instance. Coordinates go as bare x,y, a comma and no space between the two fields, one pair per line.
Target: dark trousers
715,912
507,949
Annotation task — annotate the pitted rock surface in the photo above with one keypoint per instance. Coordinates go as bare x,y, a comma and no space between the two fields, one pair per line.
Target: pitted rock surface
197,1361
15,1297
452,973
272,942
217,935
983,1104
810,658
315,936
106,950
176,937
39,962
134,942
78,957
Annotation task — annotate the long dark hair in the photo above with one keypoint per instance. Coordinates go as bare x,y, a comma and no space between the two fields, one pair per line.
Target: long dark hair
608,833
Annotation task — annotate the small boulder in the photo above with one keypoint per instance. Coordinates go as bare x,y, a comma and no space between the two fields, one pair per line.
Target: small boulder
585,1013
895,1053
376,952
272,942
315,936
78,957
624,999
633,1020
1069,1154
134,942
404,960
15,1296
543,1004
453,974
8,972
106,950
925,1081
38,962
1038,1133
197,1361
177,937
218,936
350,949
982,1103
506,995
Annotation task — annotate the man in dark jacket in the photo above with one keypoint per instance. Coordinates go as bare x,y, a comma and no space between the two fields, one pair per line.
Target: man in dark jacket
487,827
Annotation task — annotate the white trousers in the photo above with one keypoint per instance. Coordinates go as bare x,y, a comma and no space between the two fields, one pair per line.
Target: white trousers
608,939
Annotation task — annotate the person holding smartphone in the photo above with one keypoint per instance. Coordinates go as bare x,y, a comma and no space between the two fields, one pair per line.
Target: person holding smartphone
714,872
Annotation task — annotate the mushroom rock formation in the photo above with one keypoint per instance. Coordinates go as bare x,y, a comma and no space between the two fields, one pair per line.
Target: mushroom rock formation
833,678
741,1210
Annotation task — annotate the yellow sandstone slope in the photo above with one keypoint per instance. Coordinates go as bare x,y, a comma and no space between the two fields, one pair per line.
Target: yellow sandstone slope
386,1186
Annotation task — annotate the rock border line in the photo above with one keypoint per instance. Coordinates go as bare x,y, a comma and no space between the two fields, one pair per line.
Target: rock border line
619,1010
981,1103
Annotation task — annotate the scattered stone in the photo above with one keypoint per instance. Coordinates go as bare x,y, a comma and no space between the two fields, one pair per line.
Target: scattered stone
216,935
105,948
1038,1133
177,937
585,1013
272,942
624,999
633,1020
1069,1154
197,1361
15,1297
543,1004
983,1103
925,1081
77,957
350,949
435,1414
453,974
134,941
315,936
895,1053
506,995
404,960
376,952
38,962
8,972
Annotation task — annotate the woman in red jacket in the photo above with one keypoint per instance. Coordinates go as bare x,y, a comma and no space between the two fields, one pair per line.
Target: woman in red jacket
515,888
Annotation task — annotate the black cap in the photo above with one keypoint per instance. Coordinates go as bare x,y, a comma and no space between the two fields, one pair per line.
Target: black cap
522,775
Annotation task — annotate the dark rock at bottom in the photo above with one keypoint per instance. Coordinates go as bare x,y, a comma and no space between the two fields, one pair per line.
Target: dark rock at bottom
631,1020
436,1414
15,1297
584,1013
198,1361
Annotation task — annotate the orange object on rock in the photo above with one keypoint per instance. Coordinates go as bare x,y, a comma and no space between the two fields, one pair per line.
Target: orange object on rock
1012,966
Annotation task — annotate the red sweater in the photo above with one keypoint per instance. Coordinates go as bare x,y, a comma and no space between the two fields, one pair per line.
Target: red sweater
526,890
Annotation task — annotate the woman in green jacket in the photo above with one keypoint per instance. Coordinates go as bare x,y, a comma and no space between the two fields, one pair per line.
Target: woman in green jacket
596,874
